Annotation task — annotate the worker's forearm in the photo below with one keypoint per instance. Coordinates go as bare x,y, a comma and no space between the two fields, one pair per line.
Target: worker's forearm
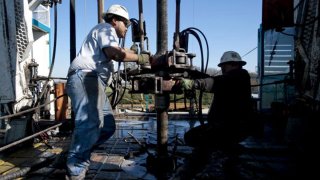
204,84
120,54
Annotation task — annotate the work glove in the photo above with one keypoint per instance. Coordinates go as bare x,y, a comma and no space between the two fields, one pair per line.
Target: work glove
134,48
143,58
187,84
183,85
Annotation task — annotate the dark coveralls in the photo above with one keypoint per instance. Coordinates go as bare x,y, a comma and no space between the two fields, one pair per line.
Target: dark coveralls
229,114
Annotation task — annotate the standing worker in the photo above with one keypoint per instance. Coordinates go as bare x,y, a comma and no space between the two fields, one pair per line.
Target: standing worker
88,76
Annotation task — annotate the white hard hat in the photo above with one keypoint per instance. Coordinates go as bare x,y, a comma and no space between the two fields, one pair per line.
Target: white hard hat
231,56
119,11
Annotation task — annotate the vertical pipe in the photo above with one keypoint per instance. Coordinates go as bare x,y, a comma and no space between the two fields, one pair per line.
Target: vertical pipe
261,34
72,30
100,10
162,135
162,105
162,27
141,28
176,34
162,100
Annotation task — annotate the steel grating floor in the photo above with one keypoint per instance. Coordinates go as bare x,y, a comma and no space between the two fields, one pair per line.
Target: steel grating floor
121,157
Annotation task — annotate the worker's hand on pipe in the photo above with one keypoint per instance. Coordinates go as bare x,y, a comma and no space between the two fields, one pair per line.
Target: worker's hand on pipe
134,48
187,84
144,58
183,85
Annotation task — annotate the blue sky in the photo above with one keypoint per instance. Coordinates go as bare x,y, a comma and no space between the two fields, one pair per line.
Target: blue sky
227,25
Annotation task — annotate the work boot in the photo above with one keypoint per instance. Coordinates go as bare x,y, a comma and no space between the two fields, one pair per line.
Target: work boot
81,176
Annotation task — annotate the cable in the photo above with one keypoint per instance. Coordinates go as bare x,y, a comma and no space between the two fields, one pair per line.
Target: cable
249,52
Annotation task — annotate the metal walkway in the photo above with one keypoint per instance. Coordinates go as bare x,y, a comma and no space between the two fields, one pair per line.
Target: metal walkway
121,157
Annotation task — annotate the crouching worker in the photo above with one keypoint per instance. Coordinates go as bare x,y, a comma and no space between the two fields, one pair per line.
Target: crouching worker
230,110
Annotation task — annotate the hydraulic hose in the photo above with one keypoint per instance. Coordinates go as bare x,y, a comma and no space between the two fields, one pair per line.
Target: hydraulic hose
192,31
115,95
207,46
53,54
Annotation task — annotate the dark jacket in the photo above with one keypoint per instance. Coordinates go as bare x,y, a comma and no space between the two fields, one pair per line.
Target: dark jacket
230,113
231,104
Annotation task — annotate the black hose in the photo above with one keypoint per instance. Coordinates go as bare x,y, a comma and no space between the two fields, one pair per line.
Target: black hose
207,45
192,31
43,90
125,85
53,54
115,95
